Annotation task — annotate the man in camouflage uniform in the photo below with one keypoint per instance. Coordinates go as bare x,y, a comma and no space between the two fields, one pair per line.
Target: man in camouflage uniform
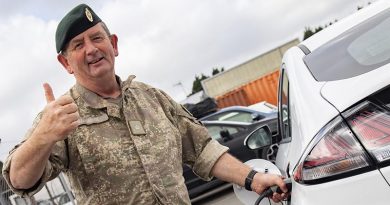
119,142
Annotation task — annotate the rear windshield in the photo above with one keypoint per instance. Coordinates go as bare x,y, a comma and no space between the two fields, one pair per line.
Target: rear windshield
360,49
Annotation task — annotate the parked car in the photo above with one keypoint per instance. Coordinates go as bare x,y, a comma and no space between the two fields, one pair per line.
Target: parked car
264,106
232,135
334,112
242,114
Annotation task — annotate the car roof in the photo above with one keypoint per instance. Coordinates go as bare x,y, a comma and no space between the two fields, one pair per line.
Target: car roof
231,108
221,123
236,107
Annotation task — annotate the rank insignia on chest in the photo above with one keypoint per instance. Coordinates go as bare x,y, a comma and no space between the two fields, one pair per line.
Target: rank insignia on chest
136,128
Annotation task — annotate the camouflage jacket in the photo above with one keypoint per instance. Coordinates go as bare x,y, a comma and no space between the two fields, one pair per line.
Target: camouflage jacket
129,154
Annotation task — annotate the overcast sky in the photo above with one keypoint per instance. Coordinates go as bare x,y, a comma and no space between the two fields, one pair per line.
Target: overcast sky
161,42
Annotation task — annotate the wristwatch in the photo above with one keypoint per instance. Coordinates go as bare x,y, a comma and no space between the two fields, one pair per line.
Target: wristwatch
249,179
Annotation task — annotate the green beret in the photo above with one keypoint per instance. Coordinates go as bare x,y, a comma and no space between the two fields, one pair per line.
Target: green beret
78,20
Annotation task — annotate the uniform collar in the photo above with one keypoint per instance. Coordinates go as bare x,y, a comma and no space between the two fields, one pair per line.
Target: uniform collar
92,99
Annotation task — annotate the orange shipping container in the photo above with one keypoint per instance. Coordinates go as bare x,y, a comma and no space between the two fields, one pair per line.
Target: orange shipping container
262,89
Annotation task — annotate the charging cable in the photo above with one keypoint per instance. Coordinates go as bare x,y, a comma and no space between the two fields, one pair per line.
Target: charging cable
272,189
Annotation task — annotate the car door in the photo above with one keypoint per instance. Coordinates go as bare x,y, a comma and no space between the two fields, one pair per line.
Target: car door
234,139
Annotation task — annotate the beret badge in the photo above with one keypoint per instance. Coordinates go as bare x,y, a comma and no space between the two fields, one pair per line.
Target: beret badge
88,14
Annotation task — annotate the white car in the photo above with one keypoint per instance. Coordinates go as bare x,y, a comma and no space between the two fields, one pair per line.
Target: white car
334,113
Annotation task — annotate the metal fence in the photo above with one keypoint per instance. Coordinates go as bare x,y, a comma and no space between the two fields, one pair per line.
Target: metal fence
9,198
55,192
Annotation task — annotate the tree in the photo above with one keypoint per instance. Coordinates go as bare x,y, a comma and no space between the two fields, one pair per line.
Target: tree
216,71
197,85
309,31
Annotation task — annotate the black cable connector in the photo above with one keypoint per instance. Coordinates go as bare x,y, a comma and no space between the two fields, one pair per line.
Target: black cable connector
268,192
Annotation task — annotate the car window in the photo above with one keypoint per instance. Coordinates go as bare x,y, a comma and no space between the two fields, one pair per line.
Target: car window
215,130
236,116
358,50
283,103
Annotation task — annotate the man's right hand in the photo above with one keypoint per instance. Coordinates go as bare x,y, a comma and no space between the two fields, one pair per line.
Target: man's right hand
60,117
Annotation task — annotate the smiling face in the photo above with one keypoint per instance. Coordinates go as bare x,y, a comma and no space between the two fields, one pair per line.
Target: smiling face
90,56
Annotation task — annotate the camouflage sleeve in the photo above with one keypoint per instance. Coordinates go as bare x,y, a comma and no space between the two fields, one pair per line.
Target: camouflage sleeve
199,150
54,166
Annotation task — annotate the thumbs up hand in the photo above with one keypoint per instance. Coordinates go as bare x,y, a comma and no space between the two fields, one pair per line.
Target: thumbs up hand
60,117
48,93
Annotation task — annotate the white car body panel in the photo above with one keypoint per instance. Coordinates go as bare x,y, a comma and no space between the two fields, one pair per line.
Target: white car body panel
356,88
386,173
300,80
282,159
354,190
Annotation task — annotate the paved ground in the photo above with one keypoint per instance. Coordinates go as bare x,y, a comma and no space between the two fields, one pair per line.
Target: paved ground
225,197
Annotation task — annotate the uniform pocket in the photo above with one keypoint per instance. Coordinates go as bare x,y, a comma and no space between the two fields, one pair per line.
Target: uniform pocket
93,120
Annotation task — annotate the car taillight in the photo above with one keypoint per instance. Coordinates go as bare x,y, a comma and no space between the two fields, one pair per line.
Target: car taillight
337,151
371,124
